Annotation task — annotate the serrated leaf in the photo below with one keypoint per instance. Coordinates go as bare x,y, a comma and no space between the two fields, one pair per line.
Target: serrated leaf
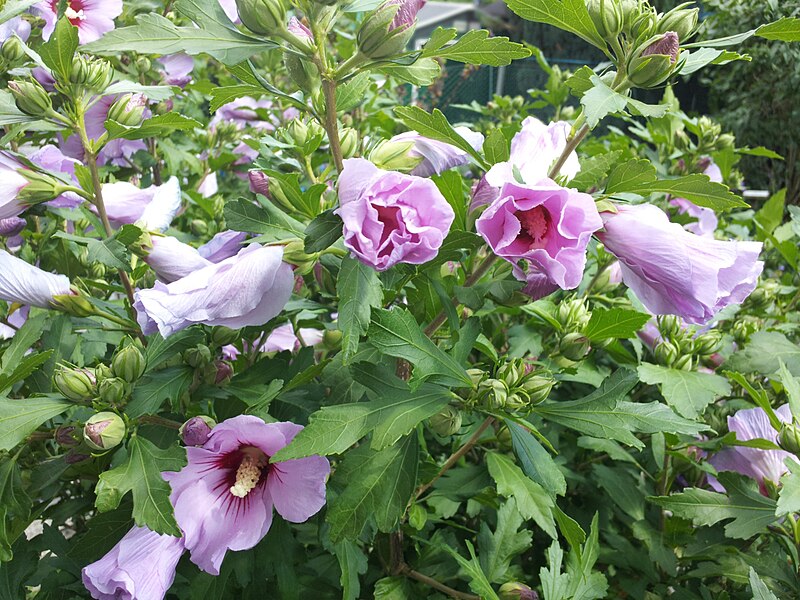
359,290
785,30
569,15
763,354
424,72
789,495
154,388
140,474
20,418
477,578
159,125
268,220
477,48
601,101
451,184
614,323
759,588
59,51
222,95
499,547
323,232
353,563
351,94
593,170
496,147
688,392
110,253
25,367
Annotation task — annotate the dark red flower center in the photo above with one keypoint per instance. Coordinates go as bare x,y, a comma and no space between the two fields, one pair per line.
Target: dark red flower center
535,223
246,468
389,216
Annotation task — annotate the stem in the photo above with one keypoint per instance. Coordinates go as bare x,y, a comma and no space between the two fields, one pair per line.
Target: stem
331,123
571,146
153,420
455,457
412,574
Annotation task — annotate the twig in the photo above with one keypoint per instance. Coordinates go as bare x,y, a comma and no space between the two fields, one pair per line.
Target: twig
411,573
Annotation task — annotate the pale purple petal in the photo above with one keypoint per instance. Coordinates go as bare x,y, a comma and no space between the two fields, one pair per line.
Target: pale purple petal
244,112
229,6
172,259
537,146
23,283
177,69
16,26
17,319
297,487
51,158
11,184
407,14
438,157
296,27
153,208
93,18
208,186
222,246
281,339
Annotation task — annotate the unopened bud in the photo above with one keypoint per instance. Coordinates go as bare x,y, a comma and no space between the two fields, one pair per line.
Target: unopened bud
395,156
669,326
198,357
683,363
388,29
224,371
656,62
13,49
725,141
199,227
263,17
477,376
129,364
66,436
128,110
493,393
538,388
607,17
222,336
73,304
195,431
102,372
666,353
789,438
75,384
73,458
574,346
681,20
143,64
348,140
294,253
573,314
707,343
104,431
31,98
446,422
517,591
259,183
332,339
12,226
101,73
41,187
113,390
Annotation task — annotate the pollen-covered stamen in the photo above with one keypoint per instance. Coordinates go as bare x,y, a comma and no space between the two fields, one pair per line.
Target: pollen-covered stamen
73,14
249,472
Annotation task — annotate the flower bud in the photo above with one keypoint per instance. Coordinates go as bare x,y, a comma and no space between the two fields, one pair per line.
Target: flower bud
388,29
666,353
493,393
417,517
143,64
574,346
302,72
224,372
41,187
573,314
332,339
104,431
447,422
656,62
128,110
73,458
707,343
31,98
683,363
681,20
669,326
113,390
517,591
789,438
394,156
607,17
199,227
348,140
725,141
294,253
79,74
98,270
73,304
538,388
477,376
12,226
75,384
66,436
97,74
259,183
102,372
13,49
194,432
264,17
129,364
222,336
198,357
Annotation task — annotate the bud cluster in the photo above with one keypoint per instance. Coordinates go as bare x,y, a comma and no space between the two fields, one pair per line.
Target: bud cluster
93,74
573,345
516,386
679,348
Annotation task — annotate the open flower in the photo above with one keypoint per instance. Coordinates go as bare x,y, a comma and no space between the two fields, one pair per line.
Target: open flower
546,228
244,112
390,217
11,184
176,69
223,245
676,272
250,288
16,26
140,567
761,465
224,497
153,208
93,18
707,220
438,157
23,283
171,259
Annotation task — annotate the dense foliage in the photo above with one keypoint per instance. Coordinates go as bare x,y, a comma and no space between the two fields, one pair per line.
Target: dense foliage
267,333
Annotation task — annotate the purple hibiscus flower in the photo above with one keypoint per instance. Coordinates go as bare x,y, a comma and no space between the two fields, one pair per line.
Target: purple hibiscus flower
225,496
176,69
25,284
250,288
11,184
438,157
93,18
153,208
16,26
544,226
140,567
676,272
707,220
173,260
390,217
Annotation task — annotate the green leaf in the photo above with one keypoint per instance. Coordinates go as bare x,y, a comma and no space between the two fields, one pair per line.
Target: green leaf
789,495
499,547
436,126
160,125
15,507
688,392
27,336
536,462
154,388
156,93
639,177
13,8
25,367
351,94
59,51
110,253
770,216
451,184
614,323
353,563
222,95
594,170
359,290
759,588
323,232
477,578
477,48
424,72
268,220
383,486
785,30
601,101
20,418
496,147
569,15
764,353
532,501
140,474
160,349
396,333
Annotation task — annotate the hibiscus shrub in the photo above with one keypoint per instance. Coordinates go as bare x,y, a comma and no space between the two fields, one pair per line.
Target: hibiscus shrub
266,333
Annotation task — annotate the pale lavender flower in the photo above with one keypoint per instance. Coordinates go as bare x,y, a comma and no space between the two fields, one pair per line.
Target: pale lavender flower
250,288
761,465
390,217
259,183
222,246
284,339
93,18
172,259
25,284
676,272
11,184
16,26
407,14
208,186
16,319
176,69
140,567
438,157
244,112
152,208
224,497
546,228
229,6
51,158
299,29
707,220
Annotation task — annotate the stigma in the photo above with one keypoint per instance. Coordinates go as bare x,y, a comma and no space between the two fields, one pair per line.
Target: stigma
72,14
249,473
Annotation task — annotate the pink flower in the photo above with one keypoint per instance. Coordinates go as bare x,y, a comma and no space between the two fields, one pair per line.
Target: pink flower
224,497
23,283
545,227
761,465
390,217
674,272
93,18
140,567
296,27
177,69
244,112
153,208
229,6
11,184
250,288
436,156
668,45
407,14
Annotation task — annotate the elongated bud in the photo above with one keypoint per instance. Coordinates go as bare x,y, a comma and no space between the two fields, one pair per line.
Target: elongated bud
13,49
446,422
574,346
31,98
656,62
666,353
517,591
388,29
493,393
607,17
195,431
789,438
67,436
12,226
681,20
41,187
129,364
93,73
477,376
128,110
259,183
348,138
294,253
75,384
669,326
707,343
297,132
573,314
113,390
395,156
223,372
264,17
74,304
104,431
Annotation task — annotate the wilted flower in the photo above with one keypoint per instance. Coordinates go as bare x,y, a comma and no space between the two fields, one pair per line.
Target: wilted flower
176,69
93,18
676,272
390,217
140,567
224,497
437,157
25,284
153,208
544,226
11,226
761,465
248,289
